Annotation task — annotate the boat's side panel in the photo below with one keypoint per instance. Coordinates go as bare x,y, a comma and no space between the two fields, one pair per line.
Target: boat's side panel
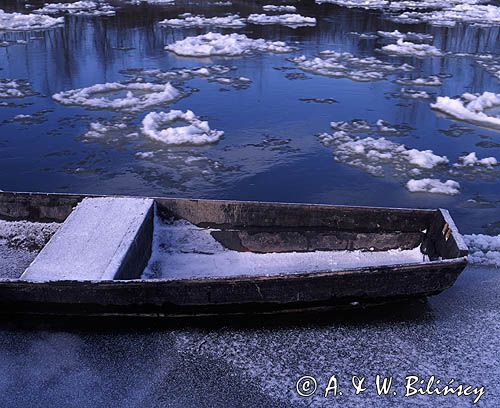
234,214
195,296
37,207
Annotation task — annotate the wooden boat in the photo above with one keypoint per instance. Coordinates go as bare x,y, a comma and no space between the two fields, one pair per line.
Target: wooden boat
71,276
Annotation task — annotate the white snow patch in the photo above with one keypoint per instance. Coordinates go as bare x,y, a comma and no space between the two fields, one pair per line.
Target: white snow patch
427,185
370,154
196,132
432,80
280,9
407,48
397,35
365,4
182,250
290,20
414,94
26,22
138,96
346,65
471,108
11,88
79,8
188,20
99,129
490,63
483,249
471,160
211,44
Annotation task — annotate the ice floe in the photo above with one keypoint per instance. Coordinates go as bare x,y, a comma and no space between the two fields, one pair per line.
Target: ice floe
212,44
95,8
471,160
362,126
435,186
411,36
464,13
371,154
490,63
11,88
211,73
289,20
196,132
189,20
346,65
471,108
366,4
432,80
26,22
99,130
407,48
138,96
280,9
414,94
483,249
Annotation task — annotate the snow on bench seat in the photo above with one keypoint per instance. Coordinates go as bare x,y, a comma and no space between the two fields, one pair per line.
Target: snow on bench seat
102,239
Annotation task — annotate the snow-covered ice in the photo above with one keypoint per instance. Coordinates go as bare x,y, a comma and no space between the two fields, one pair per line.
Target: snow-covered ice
432,80
100,129
289,20
460,13
483,249
212,44
471,108
490,63
471,160
407,48
414,94
26,22
411,36
366,4
195,132
427,185
12,88
94,8
346,65
138,96
189,20
371,154
280,8
182,250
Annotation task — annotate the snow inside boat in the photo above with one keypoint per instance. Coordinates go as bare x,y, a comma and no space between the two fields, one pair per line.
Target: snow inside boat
104,255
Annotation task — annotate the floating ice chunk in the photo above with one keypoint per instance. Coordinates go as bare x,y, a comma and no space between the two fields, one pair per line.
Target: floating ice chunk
161,2
407,48
99,129
483,249
219,44
435,186
370,154
465,13
470,108
490,63
405,36
471,160
26,22
280,9
139,96
346,65
232,21
365,4
79,7
414,94
11,88
222,3
431,80
290,20
196,132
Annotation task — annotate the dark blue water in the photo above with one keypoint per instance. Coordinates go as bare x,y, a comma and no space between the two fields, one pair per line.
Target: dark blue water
270,150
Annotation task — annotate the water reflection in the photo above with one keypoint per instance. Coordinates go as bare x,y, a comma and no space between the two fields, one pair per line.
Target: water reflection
50,154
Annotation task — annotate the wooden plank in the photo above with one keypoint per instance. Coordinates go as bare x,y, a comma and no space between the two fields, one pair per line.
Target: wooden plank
102,239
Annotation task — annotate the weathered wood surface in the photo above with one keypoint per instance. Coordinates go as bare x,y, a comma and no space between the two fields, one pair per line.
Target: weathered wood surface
249,293
103,238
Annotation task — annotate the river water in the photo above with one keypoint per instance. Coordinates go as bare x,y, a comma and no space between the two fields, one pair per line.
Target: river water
270,150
